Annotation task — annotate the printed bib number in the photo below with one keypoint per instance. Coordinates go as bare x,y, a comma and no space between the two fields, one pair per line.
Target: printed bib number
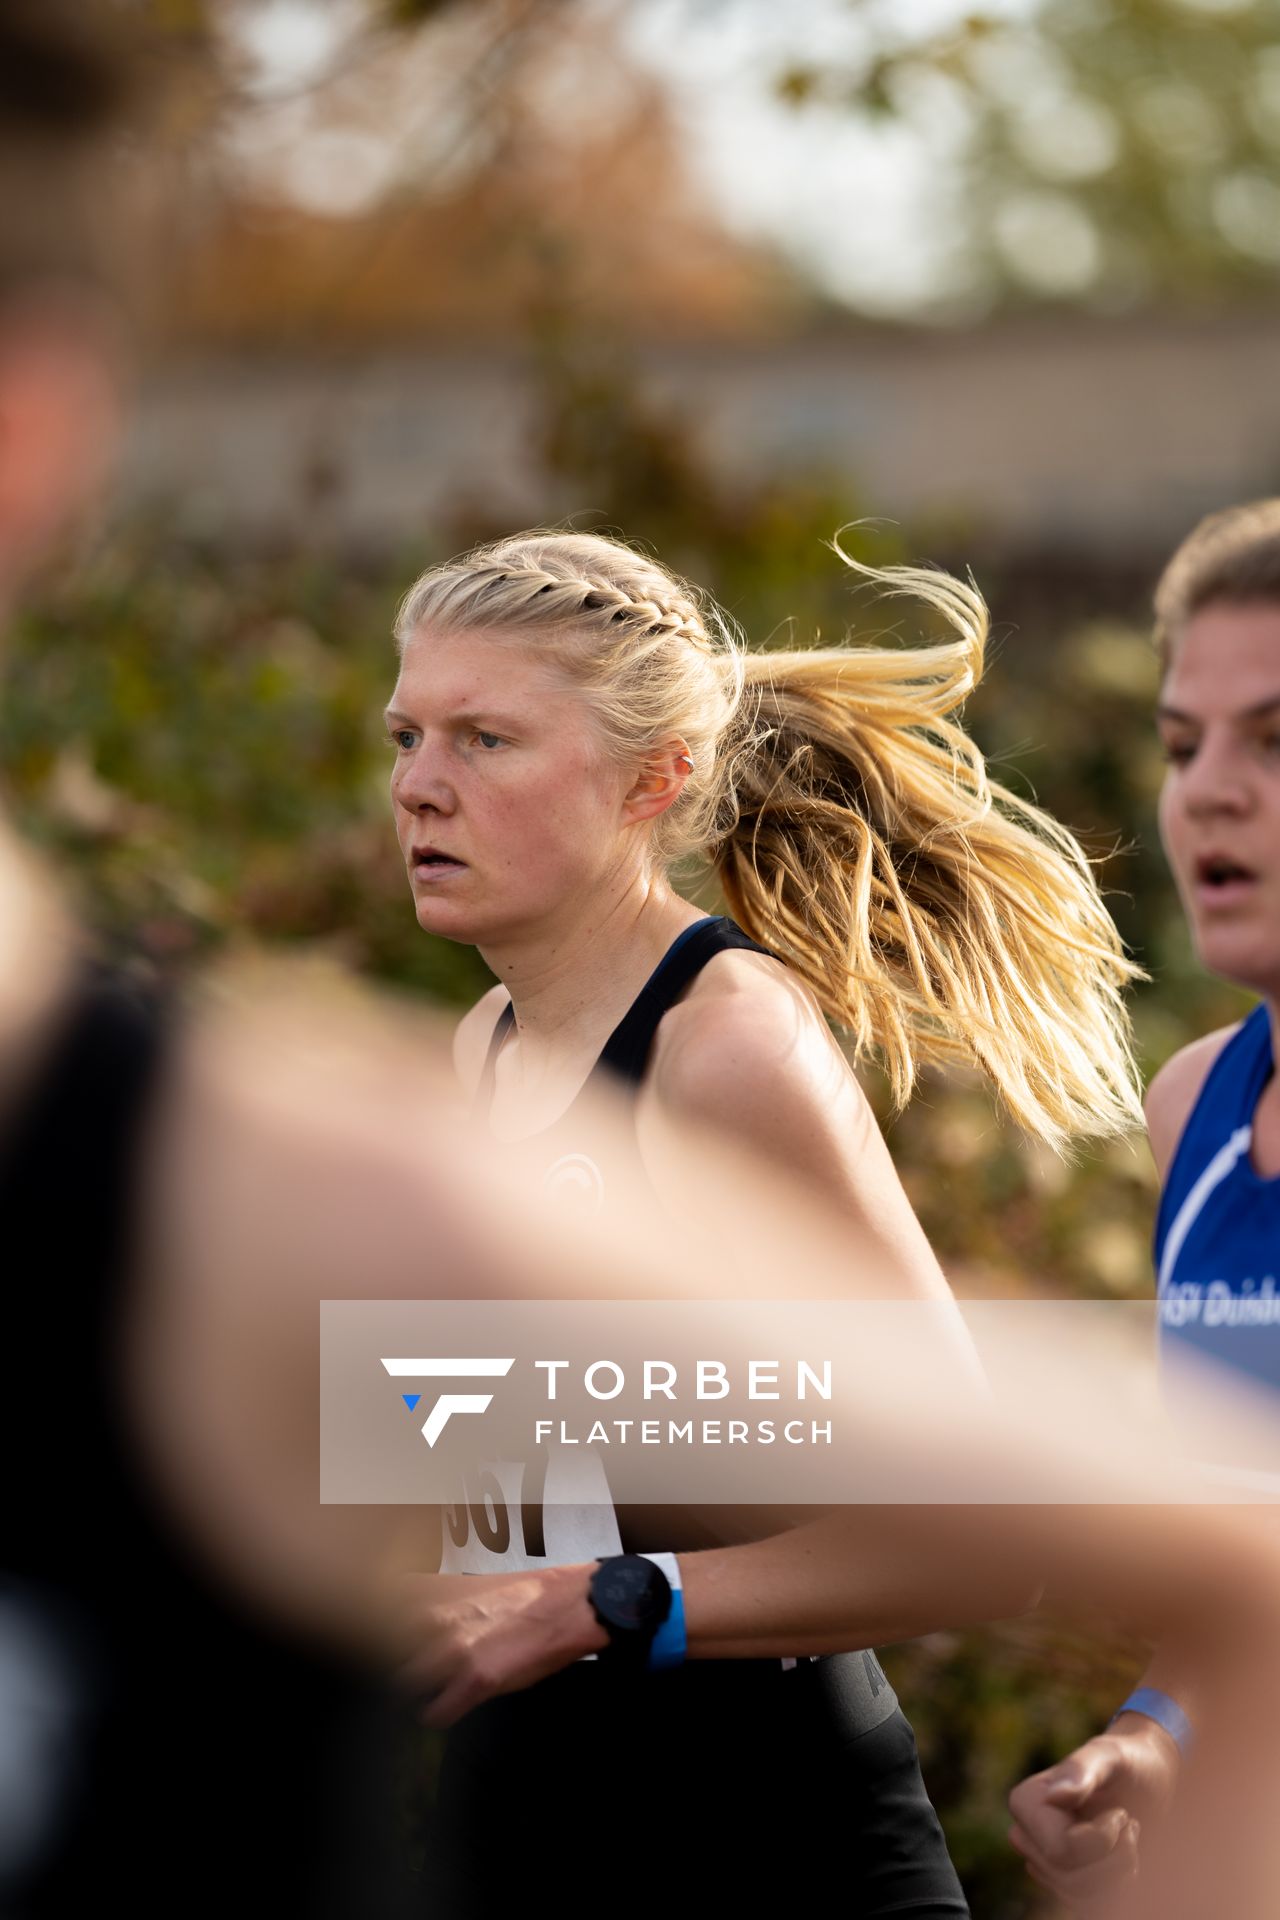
483,1512
550,1511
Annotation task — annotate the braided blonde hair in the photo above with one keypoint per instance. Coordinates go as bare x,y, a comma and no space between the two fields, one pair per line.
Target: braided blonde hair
848,815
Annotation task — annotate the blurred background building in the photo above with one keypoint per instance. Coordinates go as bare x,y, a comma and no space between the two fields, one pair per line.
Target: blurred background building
1011,276
1026,434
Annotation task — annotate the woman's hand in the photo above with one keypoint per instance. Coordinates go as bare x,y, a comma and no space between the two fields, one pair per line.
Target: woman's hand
1078,1823
476,1635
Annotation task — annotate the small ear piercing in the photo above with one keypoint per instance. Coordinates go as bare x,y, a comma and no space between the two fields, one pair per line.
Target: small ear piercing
687,761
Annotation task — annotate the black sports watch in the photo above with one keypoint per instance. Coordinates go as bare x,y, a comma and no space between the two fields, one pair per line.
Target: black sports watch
630,1597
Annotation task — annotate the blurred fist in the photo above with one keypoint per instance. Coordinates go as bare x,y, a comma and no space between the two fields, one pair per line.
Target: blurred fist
1077,1824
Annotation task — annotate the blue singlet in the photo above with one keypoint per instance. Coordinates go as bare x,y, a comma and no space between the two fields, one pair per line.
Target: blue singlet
1218,1229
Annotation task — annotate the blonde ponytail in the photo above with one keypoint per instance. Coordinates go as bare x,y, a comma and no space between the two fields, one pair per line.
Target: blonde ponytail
937,917
850,818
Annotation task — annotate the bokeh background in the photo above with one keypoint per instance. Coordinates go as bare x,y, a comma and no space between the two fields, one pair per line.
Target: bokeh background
1003,284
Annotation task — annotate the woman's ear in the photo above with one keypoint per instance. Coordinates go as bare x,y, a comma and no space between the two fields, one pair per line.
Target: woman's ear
660,780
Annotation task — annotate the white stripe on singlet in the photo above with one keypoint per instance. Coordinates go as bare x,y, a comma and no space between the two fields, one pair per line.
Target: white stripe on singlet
1253,1480
1222,1163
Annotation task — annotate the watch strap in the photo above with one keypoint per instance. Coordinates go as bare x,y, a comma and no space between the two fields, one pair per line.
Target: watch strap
667,1648
1164,1710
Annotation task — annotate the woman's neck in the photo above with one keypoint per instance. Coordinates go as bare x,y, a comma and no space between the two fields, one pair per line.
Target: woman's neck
571,983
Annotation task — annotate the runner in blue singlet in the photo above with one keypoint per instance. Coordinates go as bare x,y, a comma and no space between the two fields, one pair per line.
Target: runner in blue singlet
1218,1229
1213,1115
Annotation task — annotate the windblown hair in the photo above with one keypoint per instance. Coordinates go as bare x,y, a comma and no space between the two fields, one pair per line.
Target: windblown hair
1231,556
849,816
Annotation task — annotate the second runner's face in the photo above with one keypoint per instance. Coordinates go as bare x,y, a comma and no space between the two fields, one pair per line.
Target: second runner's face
504,805
1219,718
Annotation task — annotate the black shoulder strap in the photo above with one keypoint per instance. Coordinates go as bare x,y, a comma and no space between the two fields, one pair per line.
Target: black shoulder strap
484,1088
68,1152
626,1051
69,1186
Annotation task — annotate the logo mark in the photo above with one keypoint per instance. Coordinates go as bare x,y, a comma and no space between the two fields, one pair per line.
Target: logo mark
448,1403
575,1177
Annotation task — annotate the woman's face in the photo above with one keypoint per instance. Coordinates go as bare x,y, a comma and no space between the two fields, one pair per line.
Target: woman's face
1219,719
507,810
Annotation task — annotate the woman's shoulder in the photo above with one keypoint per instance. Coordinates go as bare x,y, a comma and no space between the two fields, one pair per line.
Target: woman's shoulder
1177,1086
473,1033
750,1057
746,1030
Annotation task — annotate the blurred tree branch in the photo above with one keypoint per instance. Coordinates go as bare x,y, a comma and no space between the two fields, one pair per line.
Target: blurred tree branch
1119,150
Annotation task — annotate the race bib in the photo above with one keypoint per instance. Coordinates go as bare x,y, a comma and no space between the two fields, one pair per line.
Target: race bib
554,1510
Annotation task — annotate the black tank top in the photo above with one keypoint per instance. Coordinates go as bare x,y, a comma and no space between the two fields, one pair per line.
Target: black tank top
580,1167
700,1762
626,1051
158,1740
574,1163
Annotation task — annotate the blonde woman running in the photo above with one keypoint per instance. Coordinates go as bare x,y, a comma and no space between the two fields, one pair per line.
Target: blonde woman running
569,721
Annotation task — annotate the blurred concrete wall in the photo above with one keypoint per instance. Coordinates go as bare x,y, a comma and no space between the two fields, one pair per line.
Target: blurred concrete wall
1037,433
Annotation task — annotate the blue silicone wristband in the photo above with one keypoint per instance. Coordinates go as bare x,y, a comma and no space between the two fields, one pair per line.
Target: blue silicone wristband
667,1648
669,1644
1164,1711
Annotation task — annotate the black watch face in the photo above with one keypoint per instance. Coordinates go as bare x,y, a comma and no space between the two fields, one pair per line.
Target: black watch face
631,1593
